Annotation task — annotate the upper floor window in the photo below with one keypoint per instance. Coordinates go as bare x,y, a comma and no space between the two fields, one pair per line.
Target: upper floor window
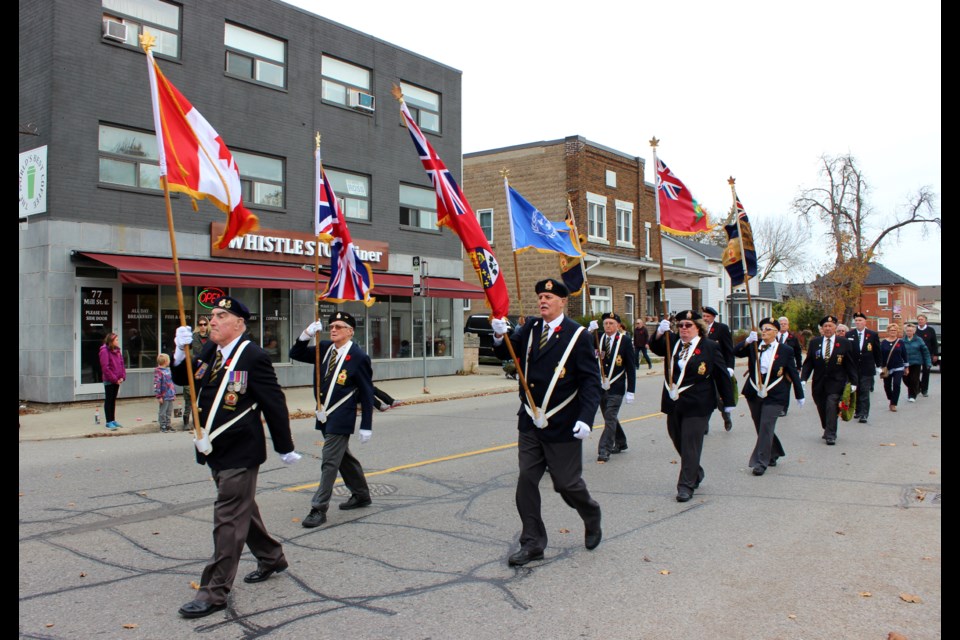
353,192
485,218
678,262
596,218
611,179
601,299
125,20
646,239
129,158
883,297
346,84
418,207
882,323
624,223
255,56
261,179
424,106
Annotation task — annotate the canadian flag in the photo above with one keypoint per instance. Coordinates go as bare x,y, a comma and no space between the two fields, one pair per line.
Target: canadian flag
194,158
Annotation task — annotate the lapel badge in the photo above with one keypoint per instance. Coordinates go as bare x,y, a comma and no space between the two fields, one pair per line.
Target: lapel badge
702,369
869,347
201,371
839,359
230,399
342,377
563,372
619,362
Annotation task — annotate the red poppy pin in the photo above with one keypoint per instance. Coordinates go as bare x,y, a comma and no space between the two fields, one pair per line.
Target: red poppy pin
696,352
556,329
347,358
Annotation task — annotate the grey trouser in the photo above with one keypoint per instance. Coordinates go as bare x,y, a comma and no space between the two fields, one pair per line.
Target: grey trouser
337,457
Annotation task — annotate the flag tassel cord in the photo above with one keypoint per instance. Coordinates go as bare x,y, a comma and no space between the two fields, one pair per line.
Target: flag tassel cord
663,289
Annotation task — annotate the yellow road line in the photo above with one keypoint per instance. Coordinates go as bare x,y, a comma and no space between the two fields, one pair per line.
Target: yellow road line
456,456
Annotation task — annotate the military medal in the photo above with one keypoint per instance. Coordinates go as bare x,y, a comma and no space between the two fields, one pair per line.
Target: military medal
201,371
238,380
230,399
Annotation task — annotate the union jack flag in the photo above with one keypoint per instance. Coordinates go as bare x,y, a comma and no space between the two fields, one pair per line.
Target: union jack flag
679,212
740,257
454,212
350,277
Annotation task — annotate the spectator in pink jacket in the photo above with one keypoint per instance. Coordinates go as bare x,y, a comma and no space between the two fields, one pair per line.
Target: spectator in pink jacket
114,373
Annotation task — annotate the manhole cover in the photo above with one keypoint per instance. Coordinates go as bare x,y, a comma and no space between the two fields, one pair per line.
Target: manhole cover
925,496
375,490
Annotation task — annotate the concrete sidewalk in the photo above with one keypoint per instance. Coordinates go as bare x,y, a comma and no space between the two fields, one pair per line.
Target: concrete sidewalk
139,415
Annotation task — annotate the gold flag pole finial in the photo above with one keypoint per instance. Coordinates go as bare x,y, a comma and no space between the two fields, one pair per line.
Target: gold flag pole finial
147,41
654,142
397,93
504,173
318,139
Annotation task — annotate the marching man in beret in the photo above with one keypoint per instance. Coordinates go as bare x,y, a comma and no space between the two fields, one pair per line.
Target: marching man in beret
618,372
830,362
558,359
346,381
236,386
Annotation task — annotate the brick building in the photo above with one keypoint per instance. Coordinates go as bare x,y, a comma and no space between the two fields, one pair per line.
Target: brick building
615,216
887,297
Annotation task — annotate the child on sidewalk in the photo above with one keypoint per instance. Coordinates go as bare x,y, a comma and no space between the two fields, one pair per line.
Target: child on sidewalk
164,391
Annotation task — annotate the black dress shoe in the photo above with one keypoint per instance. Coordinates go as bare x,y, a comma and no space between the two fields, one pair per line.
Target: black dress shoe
863,419
727,423
355,502
831,441
773,463
262,574
592,538
314,519
684,495
524,556
603,457
783,414
758,471
200,609
620,447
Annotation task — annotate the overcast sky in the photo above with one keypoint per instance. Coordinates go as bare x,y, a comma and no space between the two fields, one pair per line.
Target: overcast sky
754,90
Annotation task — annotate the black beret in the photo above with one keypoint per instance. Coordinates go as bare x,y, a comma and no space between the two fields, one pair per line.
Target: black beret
232,305
342,316
770,321
555,287
710,310
825,319
860,314
688,315
610,315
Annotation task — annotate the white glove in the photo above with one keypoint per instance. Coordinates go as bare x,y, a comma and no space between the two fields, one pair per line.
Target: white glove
876,371
581,430
800,402
311,331
290,458
751,338
500,326
593,326
365,435
203,445
540,422
728,409
605,385
629,398
853,388
663,327
183,338
729,372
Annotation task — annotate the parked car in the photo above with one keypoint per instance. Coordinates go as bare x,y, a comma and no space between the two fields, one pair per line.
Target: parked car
479,324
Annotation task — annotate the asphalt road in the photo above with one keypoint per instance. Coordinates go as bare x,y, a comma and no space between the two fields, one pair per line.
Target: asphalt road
830,544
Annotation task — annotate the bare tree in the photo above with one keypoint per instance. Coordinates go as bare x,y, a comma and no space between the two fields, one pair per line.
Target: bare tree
780,242
854,228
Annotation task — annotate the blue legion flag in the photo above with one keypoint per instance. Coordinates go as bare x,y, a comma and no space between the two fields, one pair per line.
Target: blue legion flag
733,261
530,229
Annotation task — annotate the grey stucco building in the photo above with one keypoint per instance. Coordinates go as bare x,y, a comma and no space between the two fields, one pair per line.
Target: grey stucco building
94,250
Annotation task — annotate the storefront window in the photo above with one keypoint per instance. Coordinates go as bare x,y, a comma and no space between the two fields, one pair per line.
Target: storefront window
442,327
359,312
138,339
378,332
170,316
96,320
251,298
276,324
401,331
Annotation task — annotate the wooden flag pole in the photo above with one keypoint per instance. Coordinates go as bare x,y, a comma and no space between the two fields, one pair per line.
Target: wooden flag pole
197,427
663,289
746,277
316,294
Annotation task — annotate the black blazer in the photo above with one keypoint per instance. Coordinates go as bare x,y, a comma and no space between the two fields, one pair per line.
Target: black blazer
243,445
868,359
579,374
829,377
793,342
720,333
356,376
706,370
624,365
784,366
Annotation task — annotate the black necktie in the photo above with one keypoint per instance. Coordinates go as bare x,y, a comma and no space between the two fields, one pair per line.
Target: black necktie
217,365
544,336
332,364
826,349
607,346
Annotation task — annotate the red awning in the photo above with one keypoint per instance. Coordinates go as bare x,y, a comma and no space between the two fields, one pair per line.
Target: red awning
218,273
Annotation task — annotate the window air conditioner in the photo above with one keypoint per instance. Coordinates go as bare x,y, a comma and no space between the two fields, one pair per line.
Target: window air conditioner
362,101
113,30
